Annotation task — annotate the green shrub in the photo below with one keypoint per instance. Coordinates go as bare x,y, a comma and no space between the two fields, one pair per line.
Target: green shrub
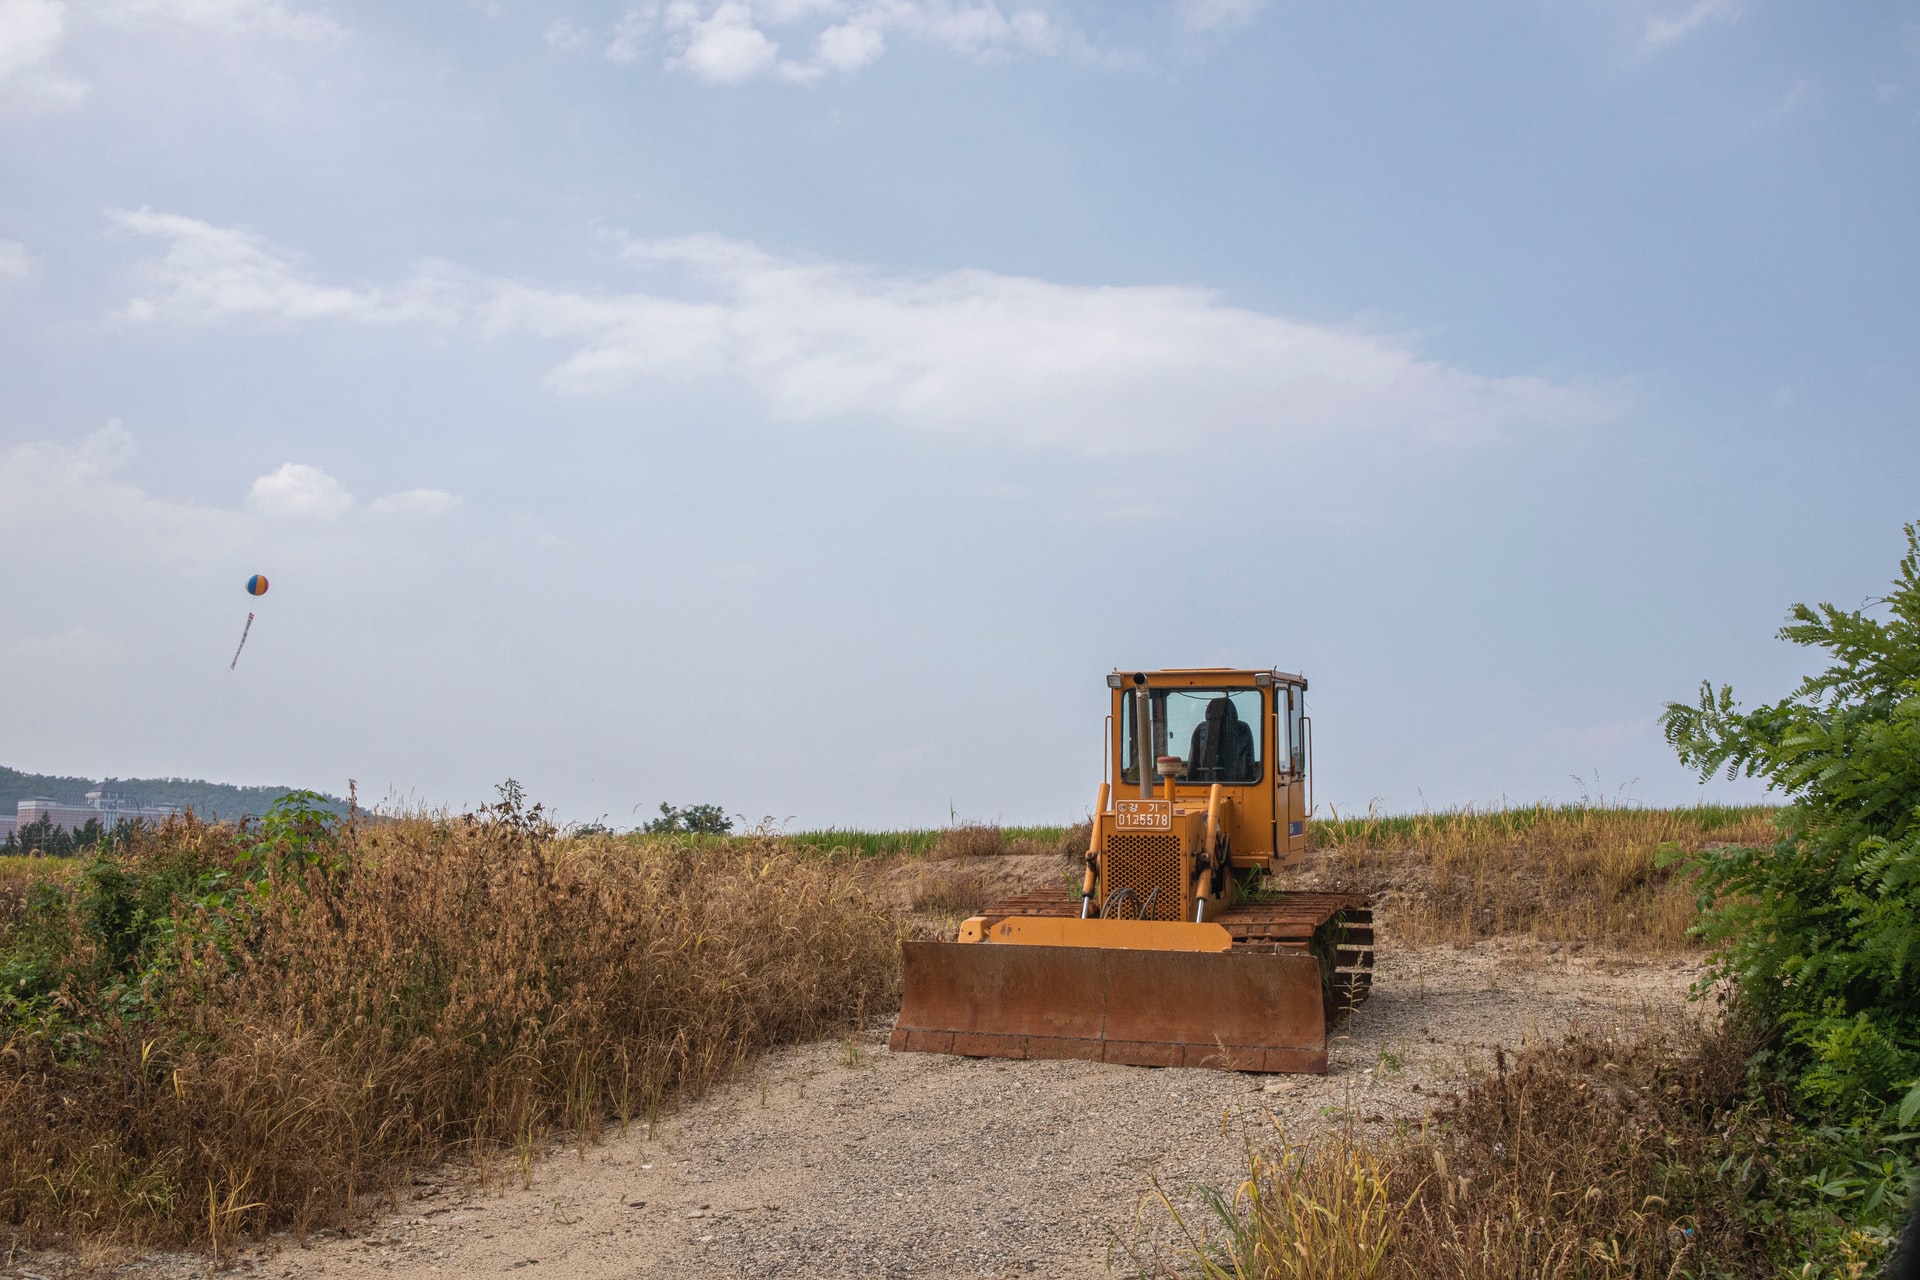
99,944
1819,935
695,819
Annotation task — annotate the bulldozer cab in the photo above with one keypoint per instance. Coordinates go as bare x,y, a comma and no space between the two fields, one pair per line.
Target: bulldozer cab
1243,732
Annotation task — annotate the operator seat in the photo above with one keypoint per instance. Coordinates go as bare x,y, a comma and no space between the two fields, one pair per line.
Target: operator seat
1221,749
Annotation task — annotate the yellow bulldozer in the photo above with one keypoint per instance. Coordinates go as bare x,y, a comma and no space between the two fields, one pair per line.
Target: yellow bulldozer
1174,952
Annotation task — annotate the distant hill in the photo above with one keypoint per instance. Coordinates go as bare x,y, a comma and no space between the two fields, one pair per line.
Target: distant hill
208,799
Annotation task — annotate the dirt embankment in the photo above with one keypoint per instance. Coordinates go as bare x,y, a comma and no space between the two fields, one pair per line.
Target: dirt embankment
841,1159
939,892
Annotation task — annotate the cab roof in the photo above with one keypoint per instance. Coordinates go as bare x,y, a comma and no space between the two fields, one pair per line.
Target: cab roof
1192,676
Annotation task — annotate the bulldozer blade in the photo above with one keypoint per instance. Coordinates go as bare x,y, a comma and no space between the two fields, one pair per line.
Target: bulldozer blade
1231,1010
1137,935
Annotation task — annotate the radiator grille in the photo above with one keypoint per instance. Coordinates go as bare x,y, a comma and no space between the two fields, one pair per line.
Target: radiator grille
1144,863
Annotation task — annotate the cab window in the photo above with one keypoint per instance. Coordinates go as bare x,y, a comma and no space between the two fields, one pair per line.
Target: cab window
1215,733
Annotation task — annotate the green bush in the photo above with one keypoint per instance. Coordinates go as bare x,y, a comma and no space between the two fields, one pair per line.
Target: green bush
120,926
694,819
1819,935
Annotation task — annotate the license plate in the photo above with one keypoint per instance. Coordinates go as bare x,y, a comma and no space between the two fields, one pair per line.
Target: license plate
1143,815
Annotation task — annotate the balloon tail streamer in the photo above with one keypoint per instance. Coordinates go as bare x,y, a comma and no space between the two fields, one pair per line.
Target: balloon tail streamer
243,643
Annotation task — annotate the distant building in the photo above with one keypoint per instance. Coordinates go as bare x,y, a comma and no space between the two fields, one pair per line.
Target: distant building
8,825
108,808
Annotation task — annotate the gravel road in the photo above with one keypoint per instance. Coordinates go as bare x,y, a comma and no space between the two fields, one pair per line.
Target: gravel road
843,1160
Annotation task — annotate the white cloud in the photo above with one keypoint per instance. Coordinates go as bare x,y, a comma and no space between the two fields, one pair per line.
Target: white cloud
83,489
1034,30
978,30
31,32
965,29
419,503
974,354
1211,15
849,46
1017,360
785,11
735,41
15,262
724,47
631,31
80,487
270,18
100,454
305,492
302,491
210,273
1660,32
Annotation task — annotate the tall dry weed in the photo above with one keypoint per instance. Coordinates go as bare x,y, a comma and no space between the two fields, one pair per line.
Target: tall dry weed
440,987
1071,844
943,891
1583,873
1303,1213
968,840
1612,1154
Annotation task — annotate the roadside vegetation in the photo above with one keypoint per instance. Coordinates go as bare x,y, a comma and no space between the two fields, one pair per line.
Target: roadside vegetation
961,840
1595,873
207,1030
1775,1140
1618,1152
213,1030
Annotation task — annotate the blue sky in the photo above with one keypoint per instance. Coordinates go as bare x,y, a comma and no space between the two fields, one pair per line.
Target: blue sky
799,406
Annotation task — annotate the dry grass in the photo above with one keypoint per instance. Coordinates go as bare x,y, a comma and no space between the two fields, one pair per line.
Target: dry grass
460,986
968,840
1607,1155
840,844
1573,874
17,873
19,867
956,876
943,891
1071,844
982,840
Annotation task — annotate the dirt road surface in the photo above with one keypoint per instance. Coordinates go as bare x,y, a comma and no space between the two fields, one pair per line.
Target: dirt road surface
843,1160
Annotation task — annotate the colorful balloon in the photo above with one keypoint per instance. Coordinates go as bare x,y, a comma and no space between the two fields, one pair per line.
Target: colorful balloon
256,586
